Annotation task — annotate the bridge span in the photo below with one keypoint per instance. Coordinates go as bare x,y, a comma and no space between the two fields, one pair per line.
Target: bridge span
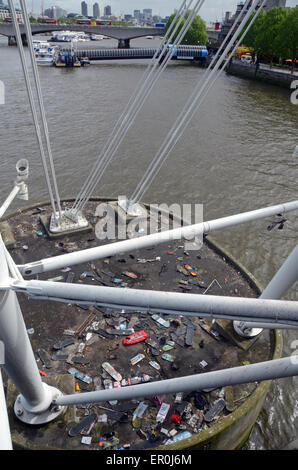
121,33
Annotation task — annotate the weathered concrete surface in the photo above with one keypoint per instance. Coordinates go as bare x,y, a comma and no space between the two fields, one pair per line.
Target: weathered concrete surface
50,319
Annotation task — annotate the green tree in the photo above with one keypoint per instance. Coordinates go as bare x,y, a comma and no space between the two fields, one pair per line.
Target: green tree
196,34
266,39
287,38
251,36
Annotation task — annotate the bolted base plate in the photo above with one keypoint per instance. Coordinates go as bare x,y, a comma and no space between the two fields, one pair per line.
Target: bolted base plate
28,417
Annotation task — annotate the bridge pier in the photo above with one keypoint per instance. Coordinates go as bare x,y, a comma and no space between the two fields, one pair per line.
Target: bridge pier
13,42
124,44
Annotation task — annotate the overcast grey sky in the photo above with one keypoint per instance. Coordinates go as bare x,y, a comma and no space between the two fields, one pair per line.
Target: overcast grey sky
211,11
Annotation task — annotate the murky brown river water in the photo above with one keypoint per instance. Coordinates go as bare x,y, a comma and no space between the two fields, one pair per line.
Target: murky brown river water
235,156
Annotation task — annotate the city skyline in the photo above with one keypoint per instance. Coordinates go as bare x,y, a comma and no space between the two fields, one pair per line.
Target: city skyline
211,11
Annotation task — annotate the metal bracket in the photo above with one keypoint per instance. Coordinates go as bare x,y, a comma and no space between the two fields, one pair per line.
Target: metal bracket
36,416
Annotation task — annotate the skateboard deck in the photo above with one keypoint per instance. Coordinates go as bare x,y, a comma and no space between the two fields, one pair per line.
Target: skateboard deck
215,410
44,356
75,430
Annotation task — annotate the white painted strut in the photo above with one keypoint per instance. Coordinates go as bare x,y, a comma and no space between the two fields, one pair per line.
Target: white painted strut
174,303
277,368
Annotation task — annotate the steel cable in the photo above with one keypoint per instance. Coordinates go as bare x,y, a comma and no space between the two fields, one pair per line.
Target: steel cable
190,109
108,158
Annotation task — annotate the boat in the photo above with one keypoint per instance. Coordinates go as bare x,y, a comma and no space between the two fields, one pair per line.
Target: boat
96,37
40,44
67,60
45,56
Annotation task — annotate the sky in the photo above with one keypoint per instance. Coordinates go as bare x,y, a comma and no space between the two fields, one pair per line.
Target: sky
211,11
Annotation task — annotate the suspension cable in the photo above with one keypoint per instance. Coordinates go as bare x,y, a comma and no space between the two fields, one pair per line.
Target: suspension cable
138,90
140,103
130,106
191,108
31,101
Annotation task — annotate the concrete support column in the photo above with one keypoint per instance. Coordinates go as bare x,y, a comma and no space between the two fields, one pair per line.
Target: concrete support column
24,40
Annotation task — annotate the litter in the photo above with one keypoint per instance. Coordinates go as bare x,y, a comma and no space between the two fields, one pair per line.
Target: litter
167,347
203,364
75,430
195,421
70,277
211,284
161,321
189,336
182,270
179,437
120,332
79,375
218,406
108,385
139,411
137,358
155,365
55,279
59,357
168,357
190,270
69,332
65,270
130,275
175,419
44,356
209,330
30,331
198,283
110,370
86,440
162,413
179,397
64,343
80,360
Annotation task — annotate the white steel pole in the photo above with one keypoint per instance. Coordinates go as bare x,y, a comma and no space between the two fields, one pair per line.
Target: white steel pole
5,436
275,369
174,303
285,277
9,200
188,232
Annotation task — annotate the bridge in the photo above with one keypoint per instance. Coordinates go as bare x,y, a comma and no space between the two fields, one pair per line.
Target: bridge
122,33
198,53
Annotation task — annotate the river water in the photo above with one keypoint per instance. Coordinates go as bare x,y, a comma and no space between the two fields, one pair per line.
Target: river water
235,156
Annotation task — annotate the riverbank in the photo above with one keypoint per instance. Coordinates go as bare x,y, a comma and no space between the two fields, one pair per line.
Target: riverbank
263,73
